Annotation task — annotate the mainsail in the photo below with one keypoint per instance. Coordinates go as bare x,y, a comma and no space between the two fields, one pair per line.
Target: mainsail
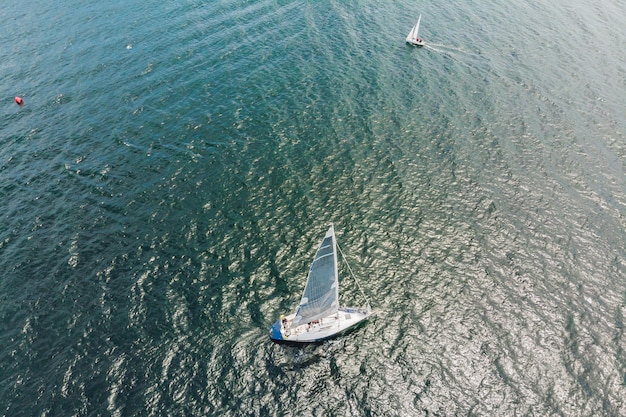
412,36
321,293
318,316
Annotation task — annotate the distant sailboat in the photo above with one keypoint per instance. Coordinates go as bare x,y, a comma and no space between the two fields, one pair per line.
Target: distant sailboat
318,316
412,37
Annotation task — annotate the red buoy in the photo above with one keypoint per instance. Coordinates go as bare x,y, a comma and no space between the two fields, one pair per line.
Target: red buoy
19,101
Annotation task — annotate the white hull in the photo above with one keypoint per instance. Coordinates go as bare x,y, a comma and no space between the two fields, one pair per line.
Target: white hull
318,330
417,42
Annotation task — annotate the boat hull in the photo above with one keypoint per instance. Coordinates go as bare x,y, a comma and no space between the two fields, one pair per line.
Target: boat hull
319,330
416,43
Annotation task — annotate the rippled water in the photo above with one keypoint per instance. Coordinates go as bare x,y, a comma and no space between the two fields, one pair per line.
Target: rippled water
164,188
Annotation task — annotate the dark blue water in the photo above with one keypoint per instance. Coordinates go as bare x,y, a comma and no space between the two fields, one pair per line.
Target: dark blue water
165,185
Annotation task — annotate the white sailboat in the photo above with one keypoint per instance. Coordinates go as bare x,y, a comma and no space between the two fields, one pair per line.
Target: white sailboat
318,316
412,37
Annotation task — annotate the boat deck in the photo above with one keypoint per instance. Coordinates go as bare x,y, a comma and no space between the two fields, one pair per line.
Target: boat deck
318,330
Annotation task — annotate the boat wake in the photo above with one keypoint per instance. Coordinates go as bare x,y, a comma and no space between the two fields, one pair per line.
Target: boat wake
444,49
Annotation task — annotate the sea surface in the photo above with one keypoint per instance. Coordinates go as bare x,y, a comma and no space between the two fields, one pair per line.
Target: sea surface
175,164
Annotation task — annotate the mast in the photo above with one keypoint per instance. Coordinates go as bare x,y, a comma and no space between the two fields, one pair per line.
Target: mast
332,227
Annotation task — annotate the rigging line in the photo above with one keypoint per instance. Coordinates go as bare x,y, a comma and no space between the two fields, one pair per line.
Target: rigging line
353,276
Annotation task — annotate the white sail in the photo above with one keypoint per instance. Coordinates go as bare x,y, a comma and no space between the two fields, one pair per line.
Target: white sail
412,36
321,293
318,316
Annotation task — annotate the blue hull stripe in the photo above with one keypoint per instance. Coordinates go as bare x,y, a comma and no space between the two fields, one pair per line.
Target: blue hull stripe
275,331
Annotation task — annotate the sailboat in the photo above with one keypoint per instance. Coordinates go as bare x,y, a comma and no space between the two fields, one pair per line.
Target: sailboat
318,316
412,37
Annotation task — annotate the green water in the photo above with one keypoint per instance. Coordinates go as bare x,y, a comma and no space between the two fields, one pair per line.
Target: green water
164,187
